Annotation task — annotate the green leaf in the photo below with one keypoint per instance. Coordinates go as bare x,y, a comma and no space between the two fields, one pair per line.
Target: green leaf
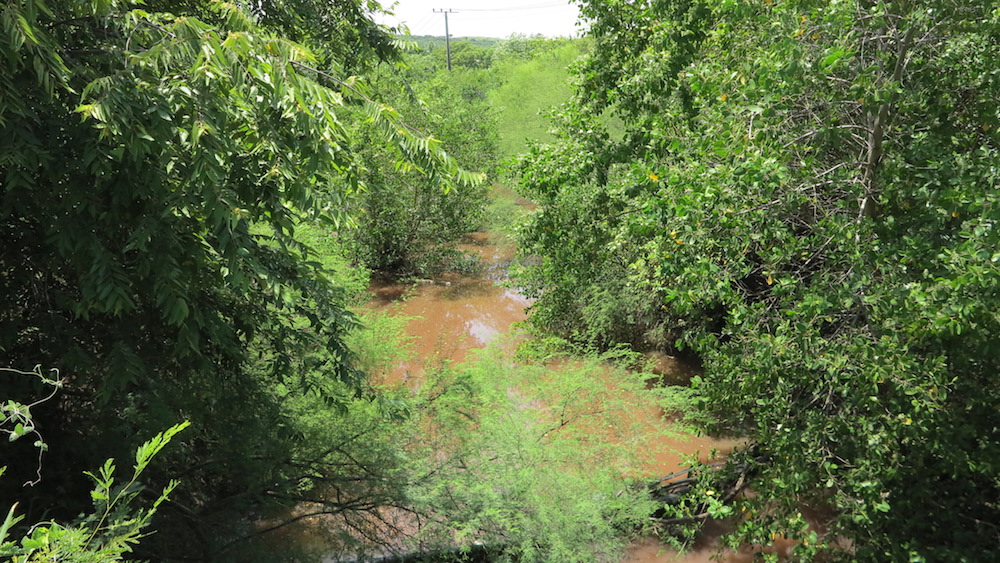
9,521
831,60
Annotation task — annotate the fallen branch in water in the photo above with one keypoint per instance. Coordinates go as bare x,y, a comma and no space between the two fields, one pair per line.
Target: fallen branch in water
671,490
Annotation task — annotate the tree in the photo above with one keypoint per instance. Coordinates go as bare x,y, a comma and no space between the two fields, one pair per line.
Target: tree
534,78
532,462
406,224
804,197
156,165
467,54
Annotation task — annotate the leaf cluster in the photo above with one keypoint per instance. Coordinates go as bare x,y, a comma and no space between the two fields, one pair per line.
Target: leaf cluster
408,225
114,526
531,460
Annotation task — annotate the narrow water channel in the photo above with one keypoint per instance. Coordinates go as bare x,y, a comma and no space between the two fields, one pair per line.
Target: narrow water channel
456,313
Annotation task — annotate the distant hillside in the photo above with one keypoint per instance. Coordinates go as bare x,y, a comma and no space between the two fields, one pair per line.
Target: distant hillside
529,77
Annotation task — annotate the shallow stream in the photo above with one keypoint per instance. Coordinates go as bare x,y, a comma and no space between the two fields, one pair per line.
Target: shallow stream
457,313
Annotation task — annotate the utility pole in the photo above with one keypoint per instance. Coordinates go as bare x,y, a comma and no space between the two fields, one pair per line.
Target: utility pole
447,36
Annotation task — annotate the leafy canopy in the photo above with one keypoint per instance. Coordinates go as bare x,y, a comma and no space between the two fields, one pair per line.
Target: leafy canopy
157,160
804,197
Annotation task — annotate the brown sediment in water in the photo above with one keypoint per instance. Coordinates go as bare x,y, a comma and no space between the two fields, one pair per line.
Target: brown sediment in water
708,546
670,369
454,313
457,313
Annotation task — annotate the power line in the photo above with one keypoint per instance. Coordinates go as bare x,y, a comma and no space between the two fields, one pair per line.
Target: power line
507,16
447,36
422,25
533,15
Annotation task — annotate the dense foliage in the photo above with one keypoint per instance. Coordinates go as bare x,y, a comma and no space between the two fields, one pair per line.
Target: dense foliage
533,75
156,163
801,193
533,459
805,196
406,224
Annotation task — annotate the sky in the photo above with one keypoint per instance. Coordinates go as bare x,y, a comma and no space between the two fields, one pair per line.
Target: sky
479,18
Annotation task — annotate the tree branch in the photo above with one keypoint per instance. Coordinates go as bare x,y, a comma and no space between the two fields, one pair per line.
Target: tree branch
877,134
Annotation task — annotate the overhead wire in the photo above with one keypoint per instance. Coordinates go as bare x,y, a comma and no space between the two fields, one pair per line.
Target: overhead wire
533,24
426,24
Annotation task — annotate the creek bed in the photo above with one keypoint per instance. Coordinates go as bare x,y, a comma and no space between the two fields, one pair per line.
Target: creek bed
455,313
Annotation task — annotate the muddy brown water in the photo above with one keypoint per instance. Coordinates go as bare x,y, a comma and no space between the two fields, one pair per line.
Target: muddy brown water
457,313
454,313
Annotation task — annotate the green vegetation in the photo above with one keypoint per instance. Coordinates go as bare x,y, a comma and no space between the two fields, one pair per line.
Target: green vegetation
800,195
115,525
535,79
530,458
805,197
158,164
437,43
406,224
185,186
